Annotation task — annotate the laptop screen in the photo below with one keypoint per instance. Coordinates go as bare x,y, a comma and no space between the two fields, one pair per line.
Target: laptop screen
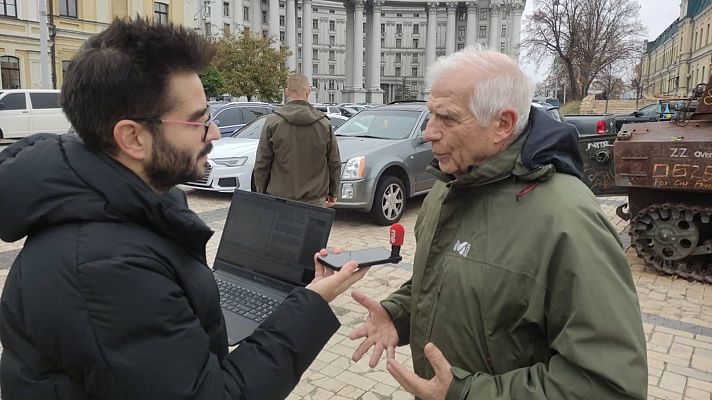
273,236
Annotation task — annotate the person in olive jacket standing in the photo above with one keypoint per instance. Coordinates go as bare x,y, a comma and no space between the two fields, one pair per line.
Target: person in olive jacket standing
520,287
111,296
298,156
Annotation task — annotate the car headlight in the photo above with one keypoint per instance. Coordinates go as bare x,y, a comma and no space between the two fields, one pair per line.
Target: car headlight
355,168
231,162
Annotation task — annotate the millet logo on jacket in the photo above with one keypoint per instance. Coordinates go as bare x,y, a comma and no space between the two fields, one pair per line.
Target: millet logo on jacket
462,248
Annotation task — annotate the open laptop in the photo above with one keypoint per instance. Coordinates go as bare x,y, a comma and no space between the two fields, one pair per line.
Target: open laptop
266,250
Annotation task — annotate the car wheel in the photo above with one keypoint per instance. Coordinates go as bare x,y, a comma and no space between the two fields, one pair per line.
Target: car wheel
389,201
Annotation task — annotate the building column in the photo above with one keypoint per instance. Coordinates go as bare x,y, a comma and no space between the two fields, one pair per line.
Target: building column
347,91
291,34
471,34
451,27
274,22
359,92
374,93
256,11
430,43
494,27
307,40
516,30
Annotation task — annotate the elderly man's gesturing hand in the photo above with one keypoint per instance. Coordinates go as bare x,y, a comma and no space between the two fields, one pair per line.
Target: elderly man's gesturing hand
434,389
378,331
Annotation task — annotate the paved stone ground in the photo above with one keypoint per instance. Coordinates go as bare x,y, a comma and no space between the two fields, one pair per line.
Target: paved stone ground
677,314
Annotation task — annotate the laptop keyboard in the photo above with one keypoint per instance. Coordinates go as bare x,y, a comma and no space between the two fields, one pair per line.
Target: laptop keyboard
245,302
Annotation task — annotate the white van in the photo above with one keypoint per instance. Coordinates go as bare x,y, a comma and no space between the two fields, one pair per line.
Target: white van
27,111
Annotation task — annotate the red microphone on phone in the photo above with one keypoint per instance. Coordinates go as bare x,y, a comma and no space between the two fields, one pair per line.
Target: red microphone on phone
396,235
371,256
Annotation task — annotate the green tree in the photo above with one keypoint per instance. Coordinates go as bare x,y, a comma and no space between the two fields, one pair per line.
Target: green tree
212,82
251,66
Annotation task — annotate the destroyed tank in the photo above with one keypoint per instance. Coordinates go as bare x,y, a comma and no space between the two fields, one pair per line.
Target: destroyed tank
666,167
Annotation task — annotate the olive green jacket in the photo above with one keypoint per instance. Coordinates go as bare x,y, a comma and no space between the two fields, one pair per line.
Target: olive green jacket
522,282
298,156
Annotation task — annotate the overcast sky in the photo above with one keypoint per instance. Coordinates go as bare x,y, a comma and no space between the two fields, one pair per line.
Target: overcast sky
655,15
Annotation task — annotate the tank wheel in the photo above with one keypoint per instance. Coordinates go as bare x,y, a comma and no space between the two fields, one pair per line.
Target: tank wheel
670,238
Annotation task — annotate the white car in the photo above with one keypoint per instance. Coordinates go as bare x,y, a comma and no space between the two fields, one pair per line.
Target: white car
27,111
232,160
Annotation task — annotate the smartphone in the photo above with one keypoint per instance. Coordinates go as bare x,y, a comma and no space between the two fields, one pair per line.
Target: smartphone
364,258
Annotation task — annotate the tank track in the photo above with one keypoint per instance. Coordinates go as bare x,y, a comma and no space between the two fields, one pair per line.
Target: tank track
675,239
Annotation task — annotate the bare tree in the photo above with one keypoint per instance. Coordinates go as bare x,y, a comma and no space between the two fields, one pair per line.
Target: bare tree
610,81
636,82
585,36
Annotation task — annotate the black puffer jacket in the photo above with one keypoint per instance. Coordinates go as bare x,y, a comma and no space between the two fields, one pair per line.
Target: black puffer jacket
111,297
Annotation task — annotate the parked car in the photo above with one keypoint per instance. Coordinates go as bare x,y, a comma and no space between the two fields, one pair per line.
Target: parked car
27,111
232,160
232,116
593,124
336,120
649,113
383,158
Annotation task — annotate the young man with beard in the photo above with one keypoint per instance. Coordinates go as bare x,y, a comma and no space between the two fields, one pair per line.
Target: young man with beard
520,287
111,296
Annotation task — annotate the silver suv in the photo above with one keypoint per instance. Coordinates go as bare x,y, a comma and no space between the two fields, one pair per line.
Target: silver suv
383,157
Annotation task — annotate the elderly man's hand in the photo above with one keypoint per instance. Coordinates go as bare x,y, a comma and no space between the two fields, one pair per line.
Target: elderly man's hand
378,331
434,389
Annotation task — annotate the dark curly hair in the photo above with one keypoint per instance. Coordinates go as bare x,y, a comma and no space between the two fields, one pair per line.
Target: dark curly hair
123,72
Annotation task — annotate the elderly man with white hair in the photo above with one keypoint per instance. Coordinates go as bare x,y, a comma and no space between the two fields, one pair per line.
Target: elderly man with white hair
520,288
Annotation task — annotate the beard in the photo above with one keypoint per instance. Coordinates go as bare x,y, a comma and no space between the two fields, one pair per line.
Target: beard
170,166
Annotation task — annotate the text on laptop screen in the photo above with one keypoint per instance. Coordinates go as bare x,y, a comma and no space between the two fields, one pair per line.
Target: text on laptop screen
274,237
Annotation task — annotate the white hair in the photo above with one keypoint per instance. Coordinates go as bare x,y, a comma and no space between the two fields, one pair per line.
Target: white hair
500,84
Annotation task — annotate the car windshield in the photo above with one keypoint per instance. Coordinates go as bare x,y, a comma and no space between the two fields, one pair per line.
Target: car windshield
253,130
380,124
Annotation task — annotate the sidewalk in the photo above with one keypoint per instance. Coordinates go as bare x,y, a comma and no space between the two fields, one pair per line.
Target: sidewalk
677,314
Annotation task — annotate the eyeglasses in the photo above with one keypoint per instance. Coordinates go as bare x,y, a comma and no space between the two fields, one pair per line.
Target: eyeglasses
205,124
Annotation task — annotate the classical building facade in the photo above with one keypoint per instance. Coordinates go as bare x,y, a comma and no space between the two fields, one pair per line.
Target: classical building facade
399,38
71,22
681,57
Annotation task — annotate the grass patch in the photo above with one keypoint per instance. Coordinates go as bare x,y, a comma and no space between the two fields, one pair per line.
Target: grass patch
571,107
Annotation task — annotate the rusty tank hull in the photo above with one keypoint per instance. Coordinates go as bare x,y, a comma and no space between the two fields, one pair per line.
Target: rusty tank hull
667,168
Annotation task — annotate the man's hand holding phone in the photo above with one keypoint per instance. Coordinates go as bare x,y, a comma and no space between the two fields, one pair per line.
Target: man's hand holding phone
328,283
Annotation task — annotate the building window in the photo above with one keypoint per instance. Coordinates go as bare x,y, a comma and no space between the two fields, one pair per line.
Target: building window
416,29
226,29
265,18
315,54
462,16
208,29
461,33
299,53
383,71
68,8
299,22
299,38
246,13
398,43
281,36
483,15
8,8
414,58
282,20
503,33
398,71
226,9
415,43
331,71
460,46
315,83
414,71
399,29
331,97
332,12
383,42
65,67
399,15
315,24
483,31
502,47
398,57
332,40
332,55
160,12
315,68
315,39
10,70
332,25
414,86
265,33
416,15
383,57
383,29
